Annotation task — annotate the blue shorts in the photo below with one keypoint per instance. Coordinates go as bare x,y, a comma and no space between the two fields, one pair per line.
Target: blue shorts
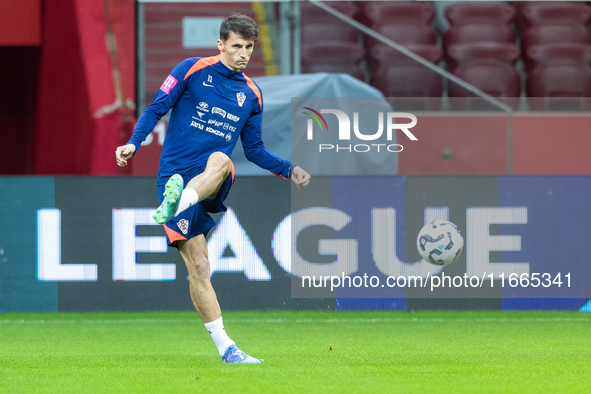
196,220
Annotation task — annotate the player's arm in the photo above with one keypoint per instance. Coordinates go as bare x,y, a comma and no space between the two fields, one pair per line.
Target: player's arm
169,93
256,152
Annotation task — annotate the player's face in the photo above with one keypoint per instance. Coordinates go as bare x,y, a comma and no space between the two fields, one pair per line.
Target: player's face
235,52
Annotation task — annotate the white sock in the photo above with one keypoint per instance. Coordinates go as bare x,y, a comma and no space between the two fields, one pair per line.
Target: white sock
188,199
218,334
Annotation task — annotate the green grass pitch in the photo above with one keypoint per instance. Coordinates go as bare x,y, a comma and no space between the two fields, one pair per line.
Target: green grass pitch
303,352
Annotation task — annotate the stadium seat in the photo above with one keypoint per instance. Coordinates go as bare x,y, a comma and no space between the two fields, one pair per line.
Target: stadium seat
536,13
378,13
555,33
559,86
409,87
312,14
495,77
408,84
328,32
474,13
480,32
404,34
559,53
560,80
331,53
520,5
382,55
407,80
462,53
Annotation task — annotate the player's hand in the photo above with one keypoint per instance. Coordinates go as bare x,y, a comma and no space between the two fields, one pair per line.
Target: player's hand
123,153
300,177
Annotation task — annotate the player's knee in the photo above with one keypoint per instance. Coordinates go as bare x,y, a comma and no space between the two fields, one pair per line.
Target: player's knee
198,268
220,160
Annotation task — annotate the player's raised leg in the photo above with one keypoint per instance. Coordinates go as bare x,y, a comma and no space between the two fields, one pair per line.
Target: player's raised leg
203,186
209,182
194,253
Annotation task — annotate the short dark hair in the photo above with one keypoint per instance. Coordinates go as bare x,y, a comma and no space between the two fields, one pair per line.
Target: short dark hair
239,24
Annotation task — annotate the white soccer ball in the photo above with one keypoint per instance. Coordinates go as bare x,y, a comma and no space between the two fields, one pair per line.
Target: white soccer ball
440,242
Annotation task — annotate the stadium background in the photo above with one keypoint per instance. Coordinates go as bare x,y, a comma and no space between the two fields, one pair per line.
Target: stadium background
74,81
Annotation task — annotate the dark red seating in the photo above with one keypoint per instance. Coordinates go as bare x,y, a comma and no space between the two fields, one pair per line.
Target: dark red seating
520,6
559,87
328,32
495,77
471,13
560,80
378,13
329,44
312,14
536,13
331,53
458,54
558,53
382,55
407,80
556,33
478,33
405,34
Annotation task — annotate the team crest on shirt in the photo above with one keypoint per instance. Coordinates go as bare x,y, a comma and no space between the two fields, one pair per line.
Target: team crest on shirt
241,98
183,225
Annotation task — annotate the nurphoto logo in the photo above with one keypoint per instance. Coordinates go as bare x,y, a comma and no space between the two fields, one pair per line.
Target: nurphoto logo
344,131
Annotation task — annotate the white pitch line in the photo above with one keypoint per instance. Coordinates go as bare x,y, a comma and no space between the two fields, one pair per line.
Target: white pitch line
317,321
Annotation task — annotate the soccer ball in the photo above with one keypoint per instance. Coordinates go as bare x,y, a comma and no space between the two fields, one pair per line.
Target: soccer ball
440,242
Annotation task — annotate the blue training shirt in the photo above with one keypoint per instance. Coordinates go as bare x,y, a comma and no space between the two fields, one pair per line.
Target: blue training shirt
211,107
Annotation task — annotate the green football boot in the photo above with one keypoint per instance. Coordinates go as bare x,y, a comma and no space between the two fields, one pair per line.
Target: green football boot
172,195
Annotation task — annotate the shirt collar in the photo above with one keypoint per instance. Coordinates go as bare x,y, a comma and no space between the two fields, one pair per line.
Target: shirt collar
225,71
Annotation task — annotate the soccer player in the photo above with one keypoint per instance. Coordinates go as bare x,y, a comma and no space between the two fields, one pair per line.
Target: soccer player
213,103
